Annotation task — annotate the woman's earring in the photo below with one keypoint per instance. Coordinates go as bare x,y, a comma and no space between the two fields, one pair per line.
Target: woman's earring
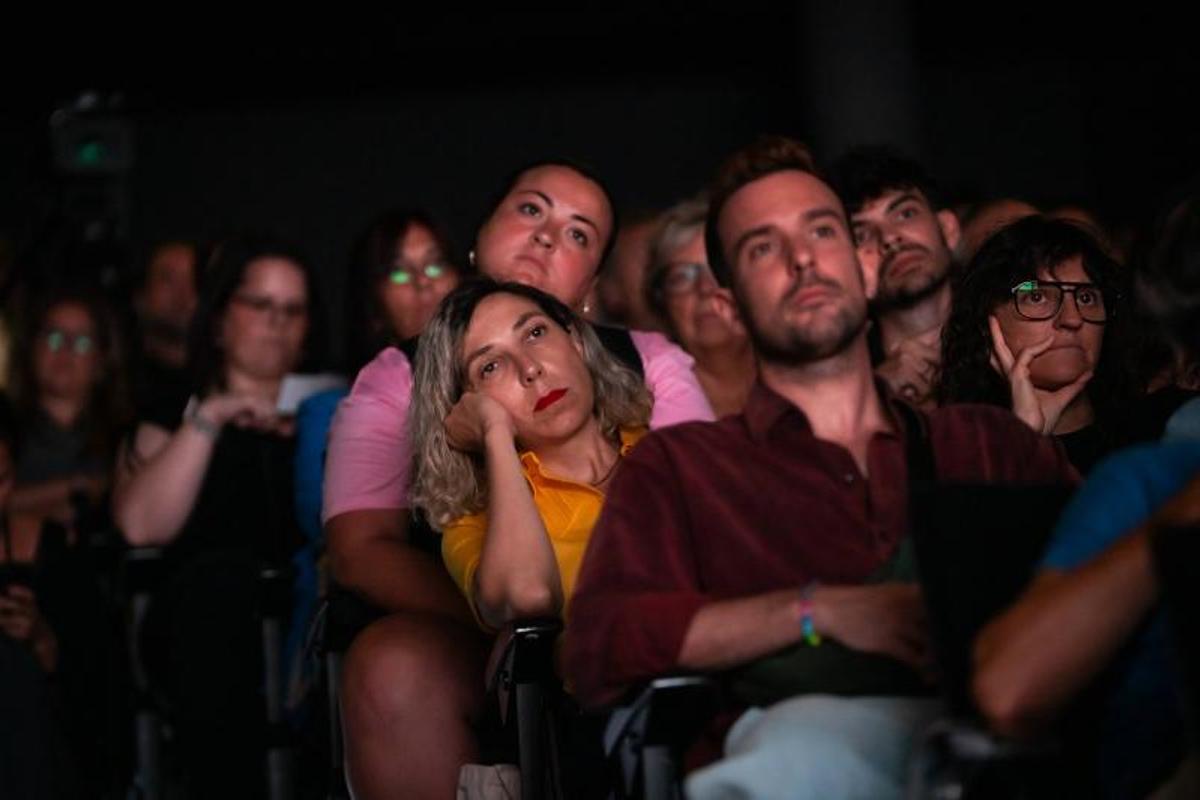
471,257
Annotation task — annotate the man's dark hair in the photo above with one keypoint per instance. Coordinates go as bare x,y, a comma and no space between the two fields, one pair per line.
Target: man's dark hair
864,174
765,156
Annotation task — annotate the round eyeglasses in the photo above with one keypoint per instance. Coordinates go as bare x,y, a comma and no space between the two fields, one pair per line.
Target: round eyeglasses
1042,300
682,278
402,276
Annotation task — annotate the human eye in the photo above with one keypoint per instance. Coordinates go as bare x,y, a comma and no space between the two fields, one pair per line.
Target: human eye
825,231
400,277
863,235
580,237
759,249
488,369
537,331
1088,296
907,211
529,209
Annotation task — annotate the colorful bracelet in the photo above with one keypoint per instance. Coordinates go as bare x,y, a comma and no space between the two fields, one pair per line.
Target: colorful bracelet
808,630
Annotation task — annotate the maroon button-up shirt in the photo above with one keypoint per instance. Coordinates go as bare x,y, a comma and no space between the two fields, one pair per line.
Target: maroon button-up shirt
754,503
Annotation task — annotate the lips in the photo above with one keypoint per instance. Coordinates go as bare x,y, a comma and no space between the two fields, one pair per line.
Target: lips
549,399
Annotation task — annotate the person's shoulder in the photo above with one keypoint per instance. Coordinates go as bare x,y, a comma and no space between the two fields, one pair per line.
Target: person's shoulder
694,435
386,375
653,345
977,415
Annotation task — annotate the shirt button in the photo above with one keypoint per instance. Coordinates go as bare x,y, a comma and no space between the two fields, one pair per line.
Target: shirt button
849,478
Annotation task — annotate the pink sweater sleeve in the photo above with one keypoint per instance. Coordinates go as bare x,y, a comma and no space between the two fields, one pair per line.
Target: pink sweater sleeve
669,377
369,456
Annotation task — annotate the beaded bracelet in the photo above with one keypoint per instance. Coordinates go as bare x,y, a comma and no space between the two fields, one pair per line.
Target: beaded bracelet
808,630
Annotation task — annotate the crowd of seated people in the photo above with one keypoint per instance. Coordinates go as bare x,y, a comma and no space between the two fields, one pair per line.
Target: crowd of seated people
695,439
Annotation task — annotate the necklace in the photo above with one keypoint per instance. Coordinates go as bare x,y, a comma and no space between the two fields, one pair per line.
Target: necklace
608,474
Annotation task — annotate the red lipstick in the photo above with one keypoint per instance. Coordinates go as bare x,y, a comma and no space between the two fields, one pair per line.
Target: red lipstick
548,399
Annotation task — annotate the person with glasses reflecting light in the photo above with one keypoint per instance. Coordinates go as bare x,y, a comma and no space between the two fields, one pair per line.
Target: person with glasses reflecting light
401,267
701,315
70,396
1040,325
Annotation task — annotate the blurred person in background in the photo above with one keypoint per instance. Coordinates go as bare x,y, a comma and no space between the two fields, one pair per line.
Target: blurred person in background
214,489
700,314
163,304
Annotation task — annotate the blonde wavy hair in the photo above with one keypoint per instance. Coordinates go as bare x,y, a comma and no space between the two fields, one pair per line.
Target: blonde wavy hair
449,483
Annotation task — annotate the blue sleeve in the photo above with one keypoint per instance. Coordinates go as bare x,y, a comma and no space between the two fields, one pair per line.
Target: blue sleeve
1121,493
313,419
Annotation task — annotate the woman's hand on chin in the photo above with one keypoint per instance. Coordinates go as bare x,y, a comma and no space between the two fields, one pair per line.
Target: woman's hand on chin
473,418
1037,408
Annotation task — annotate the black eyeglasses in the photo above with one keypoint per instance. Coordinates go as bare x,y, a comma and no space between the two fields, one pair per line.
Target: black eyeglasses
1042,300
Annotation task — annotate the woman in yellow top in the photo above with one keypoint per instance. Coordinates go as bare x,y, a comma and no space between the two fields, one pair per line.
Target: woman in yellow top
519,419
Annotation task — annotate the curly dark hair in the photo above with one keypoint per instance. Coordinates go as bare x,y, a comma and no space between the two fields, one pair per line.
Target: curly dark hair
1015,254
865,173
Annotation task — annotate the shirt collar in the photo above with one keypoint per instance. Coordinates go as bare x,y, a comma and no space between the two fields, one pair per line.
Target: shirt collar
629,437
765,408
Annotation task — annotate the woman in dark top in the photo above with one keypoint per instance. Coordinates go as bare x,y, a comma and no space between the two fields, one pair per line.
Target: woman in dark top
1040,325
213,486
68,388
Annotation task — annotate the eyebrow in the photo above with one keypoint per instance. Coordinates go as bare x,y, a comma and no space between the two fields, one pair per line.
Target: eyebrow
903,198
546,199
521,320
808,217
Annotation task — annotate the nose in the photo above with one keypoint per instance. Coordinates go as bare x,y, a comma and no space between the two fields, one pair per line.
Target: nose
531,370
543,238
801,255
889,240
1068,313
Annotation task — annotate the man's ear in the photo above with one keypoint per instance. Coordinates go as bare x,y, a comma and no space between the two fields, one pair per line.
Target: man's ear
951,232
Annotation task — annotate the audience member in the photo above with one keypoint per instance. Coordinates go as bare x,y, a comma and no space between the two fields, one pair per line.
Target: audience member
1091,617
68,387
400,269
520,417
163,303
700,315
550,228
214,489
769,546
905,243
1040,325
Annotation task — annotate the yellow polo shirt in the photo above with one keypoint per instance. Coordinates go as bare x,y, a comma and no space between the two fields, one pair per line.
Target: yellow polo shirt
569,511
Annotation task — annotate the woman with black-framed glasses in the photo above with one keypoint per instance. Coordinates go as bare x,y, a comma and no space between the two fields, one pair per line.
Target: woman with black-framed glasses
1040,325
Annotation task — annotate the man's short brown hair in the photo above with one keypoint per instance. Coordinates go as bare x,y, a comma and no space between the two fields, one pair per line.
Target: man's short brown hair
766,155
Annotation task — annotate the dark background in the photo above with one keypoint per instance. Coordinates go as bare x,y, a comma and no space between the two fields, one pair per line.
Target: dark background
309,126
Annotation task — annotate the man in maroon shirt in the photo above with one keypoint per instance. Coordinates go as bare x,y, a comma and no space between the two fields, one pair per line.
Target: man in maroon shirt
722,545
